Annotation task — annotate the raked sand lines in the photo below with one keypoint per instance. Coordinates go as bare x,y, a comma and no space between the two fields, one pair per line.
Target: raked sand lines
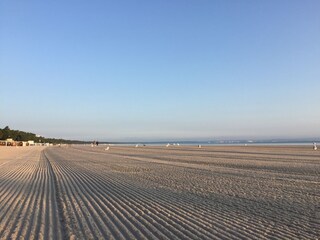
28,207
159,193
118,210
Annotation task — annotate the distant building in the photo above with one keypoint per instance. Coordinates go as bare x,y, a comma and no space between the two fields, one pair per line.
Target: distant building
11,142
8,142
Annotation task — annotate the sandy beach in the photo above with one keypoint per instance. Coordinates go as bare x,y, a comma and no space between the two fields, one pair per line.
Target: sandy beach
158,192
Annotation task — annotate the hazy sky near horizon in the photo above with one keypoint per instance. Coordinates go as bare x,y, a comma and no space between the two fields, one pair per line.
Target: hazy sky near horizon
161,70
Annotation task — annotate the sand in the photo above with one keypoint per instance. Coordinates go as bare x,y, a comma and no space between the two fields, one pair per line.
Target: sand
179,192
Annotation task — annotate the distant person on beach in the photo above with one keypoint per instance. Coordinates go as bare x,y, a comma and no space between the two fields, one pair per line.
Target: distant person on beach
315,146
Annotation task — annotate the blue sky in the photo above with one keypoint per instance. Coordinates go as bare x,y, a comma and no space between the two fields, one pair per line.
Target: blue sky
161,70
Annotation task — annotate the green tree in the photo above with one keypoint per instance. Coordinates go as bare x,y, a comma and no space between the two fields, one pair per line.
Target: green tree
6,132
18,138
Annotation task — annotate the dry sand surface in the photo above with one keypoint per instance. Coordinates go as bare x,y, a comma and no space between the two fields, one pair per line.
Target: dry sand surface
179,192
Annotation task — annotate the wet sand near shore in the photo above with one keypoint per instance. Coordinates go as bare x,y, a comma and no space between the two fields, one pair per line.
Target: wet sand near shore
158,192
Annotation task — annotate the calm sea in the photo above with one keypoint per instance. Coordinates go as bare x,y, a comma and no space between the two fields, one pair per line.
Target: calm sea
222,143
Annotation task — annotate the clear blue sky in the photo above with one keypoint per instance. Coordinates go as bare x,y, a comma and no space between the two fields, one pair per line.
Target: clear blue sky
161,70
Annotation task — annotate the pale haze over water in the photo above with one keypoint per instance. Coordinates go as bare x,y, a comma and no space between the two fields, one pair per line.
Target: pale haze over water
157,70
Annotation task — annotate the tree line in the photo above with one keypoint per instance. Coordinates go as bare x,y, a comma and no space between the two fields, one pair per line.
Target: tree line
18,135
